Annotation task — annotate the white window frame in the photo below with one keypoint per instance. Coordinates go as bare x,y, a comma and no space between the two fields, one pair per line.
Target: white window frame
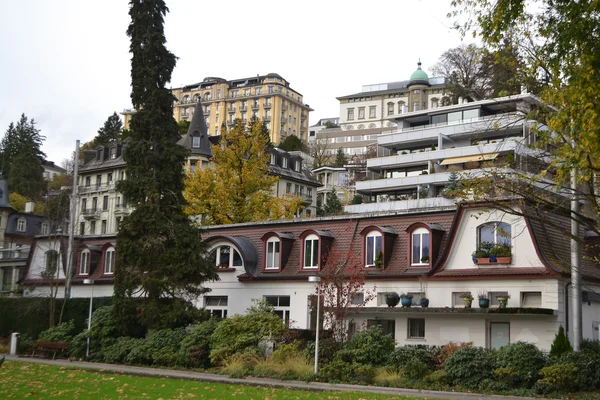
21,225
350,114
497,227
45,228
232,249
418,233
372,237
218,308
84,262
309,256
109,261
273,254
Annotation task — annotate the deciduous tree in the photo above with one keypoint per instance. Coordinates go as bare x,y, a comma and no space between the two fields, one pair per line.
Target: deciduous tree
160,255
239,182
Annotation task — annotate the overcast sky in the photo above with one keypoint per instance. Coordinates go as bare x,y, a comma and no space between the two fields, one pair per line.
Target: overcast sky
66,63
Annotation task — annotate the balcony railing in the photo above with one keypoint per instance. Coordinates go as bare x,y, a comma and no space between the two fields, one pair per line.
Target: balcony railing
91,212
267,106
231,109
255,106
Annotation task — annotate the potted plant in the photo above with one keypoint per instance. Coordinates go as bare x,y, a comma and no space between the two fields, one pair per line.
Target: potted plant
433,147
482,254
425,260
502,300
424,301
467,299
484,300
392,299
406,299
379,259
501,253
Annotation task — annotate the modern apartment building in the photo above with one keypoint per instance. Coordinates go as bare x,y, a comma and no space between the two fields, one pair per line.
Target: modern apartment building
429,144
265,97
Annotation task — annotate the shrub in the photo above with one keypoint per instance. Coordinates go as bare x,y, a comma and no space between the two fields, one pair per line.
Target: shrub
240,332
590,346
60,333
26,343
287,364
140,353
469,366
341,371
241,364
437,379
508,377
560,377
195,346
387,376
523,360
368,347
166,357
560,344
588,365
285,351
327,350
448,349
116,352
416,369
404,354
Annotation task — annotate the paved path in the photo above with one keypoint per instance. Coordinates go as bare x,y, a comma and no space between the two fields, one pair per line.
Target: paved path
312,386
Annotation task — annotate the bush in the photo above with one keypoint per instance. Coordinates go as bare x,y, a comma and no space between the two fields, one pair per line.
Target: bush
240,332
523,361
388,376
288,361
241,364
195,346
285,351
341,371
560,377
327,350
437,378
60,333
403,355
470,366
140,353
560,344
448,349
118,351
590,346
588,369
416,369
26,343
368,347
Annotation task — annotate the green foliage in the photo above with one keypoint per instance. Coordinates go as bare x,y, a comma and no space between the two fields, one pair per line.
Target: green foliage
403,355
469,366
370,347
333,205
117,352
21,146
525,359
110,132
242,332
561,377
292,143
560,344
342,371
416,369
159,251
437,378
357,199
451,186
241,364
340,158
184,126
591,346
60,333
588,369
328,347
195,347
287,350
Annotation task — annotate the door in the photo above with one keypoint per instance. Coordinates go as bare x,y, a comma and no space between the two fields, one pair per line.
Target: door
499,334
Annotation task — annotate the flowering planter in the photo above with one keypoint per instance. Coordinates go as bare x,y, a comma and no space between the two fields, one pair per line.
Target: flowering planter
503,260
502,300
485,260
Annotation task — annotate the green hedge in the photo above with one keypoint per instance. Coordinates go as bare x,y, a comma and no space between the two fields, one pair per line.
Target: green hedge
30,315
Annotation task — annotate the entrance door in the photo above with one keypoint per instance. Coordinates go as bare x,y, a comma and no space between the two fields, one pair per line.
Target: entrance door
499,334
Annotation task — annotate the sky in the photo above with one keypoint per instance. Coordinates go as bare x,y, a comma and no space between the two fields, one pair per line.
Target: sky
66,63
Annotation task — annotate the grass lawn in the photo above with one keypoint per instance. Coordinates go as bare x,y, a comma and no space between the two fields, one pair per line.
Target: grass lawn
20,380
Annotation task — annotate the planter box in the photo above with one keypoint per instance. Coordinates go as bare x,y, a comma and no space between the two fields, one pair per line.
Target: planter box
503,260
482,260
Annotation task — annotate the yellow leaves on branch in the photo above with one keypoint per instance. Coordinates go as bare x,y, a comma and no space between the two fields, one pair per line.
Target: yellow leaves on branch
237,187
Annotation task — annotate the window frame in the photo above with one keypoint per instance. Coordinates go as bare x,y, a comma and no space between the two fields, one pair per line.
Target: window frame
311,238
497,226
420,231
216,310
274,256
410,330
112,251
84,255
21,225
375,234
231,262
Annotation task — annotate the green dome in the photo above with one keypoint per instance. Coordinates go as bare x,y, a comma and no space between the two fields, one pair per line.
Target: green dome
419,76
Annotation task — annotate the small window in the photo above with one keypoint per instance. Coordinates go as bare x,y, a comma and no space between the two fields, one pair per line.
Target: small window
494,232
51,262
93,228
196,142
372,111
284,162
457,300
45,228
350,114
103,227
281,306
21,225
226,256
105,203
109,261
420,247
84,262
311,251
273,254
416,328
273,159
531,299
216,306
373,246
388,326
357,299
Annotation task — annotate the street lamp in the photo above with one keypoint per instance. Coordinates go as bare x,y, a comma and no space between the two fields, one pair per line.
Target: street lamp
317,280
89,282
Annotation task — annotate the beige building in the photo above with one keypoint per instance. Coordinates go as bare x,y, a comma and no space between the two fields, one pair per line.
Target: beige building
266,97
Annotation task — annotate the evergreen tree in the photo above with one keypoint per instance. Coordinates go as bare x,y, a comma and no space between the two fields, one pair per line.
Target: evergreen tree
21,146
110,132
340,158
292,143
239,183
451,187
159,254
560,344
332,205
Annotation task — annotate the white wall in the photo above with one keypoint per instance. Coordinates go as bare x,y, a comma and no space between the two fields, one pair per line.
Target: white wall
38,259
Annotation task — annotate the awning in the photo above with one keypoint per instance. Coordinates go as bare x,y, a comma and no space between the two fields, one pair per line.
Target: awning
478,157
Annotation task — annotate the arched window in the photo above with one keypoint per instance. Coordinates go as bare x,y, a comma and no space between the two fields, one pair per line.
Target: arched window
225,255
51,262
494,232
420,251
372,126
401,107
311,251
349,128
186,99
109,261
390,108
207,96
435,103
361,126
84,262
373,248
197,98
273,254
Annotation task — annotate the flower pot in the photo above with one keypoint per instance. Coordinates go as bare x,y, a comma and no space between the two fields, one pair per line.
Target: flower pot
502,300
484,303
503,260
424,303
492,259
468,302
406,301
392,301
485,260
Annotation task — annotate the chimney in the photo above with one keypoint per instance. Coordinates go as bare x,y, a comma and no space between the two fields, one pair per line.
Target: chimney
29,207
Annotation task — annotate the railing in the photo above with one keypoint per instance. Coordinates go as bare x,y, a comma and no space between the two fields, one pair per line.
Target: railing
459,122
231,109
255,106
267,105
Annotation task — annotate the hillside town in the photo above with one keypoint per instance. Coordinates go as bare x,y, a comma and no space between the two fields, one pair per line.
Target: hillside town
434,217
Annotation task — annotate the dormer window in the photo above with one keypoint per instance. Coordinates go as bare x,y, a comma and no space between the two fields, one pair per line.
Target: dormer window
273,254
45,228
377,246
297,165
373,247
109,261
277,248
273,159
423,243
21,225
314,248
84,262
284,162
196,142
113,153
420,247
226,256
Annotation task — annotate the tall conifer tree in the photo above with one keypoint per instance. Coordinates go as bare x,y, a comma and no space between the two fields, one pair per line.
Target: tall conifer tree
159,254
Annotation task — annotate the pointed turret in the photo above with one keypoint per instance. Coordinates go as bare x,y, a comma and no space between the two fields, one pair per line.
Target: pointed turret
4,200
197,136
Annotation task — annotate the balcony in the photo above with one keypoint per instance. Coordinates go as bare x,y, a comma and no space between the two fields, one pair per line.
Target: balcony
122,209
91,213
266,106
243,108
401,205
231,110
255,106
284,107
185,116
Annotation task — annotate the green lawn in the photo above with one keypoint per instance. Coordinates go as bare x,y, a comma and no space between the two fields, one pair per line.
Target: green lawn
20,380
